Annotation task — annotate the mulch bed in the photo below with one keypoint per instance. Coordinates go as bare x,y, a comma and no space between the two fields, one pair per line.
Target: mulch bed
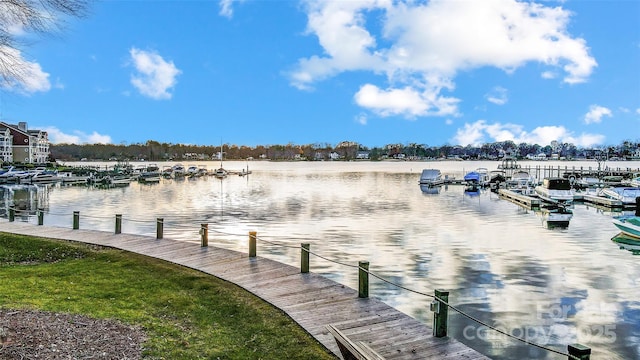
30,334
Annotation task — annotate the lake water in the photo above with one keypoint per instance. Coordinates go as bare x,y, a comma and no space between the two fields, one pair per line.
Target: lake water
501,263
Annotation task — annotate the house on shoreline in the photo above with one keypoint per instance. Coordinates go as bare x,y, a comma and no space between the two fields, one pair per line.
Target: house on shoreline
18,144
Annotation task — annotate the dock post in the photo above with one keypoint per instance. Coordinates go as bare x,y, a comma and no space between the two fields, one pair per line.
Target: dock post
12,214
252,244
40,216
76,220
578,351
363,279
159,228
118,223
440,313
304,258
204,235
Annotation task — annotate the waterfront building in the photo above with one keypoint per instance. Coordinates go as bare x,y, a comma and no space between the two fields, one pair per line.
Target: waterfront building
21,145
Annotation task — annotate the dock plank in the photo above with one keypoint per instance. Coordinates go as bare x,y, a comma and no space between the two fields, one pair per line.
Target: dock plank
311,300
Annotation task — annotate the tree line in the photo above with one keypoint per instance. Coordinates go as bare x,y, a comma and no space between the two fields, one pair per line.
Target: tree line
346,150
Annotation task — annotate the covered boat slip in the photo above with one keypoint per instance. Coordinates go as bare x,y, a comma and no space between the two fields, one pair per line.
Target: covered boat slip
318,304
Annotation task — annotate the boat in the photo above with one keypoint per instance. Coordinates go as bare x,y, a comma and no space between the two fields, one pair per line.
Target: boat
178,171
629,196
151,174
70,178
431,177
43,176
522,182
627,243
497,178
118,179
220,172
629,225
192,171
477,178
634,181
430,189
557,215
555,190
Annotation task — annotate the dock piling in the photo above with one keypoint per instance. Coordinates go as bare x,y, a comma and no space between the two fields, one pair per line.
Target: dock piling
40,216
12,214
363,279
440,313
304,257
252,244
578,351
204,235
159,228
118,223
76,220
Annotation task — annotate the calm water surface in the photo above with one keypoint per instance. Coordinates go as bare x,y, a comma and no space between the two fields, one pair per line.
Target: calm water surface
501,263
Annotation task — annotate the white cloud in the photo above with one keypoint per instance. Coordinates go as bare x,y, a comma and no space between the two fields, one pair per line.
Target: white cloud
226,7
30,76
56,136
480,132
498,96
595,114
421,42
361,119
154,76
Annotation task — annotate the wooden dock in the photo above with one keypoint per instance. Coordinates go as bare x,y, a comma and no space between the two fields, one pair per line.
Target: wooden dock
311,300
520,199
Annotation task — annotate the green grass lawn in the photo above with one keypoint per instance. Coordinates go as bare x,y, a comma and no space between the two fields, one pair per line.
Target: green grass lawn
185,313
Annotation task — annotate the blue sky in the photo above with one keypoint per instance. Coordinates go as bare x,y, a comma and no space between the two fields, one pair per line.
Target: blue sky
371,71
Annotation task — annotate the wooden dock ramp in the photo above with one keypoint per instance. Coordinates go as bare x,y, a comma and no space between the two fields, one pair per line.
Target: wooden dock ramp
313,301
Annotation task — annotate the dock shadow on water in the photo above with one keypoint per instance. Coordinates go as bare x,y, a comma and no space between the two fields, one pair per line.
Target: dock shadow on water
550,283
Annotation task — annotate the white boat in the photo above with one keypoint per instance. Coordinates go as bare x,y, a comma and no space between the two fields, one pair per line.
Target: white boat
220,173
634,181
178,171
44,177
192,171
431,177
150,174
556,214
522,182
626,195
118,179
629,225
69,178
555,190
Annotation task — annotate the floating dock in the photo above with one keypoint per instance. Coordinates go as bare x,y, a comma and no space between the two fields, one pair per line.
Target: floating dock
520,199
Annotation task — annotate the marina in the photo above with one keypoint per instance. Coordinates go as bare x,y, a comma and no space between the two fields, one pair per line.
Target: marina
502,263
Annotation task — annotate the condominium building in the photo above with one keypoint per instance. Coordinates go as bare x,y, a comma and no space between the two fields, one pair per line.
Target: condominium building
21,145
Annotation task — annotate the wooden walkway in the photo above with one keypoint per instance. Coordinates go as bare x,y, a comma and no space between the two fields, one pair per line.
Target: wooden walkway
309,299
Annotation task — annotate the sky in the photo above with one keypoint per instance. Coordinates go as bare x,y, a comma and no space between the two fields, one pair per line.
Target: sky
375,72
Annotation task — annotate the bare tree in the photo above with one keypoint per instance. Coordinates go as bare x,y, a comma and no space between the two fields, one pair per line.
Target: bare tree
29,16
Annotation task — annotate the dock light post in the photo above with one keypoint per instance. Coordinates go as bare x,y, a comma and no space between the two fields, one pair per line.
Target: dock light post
12,214
40,216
